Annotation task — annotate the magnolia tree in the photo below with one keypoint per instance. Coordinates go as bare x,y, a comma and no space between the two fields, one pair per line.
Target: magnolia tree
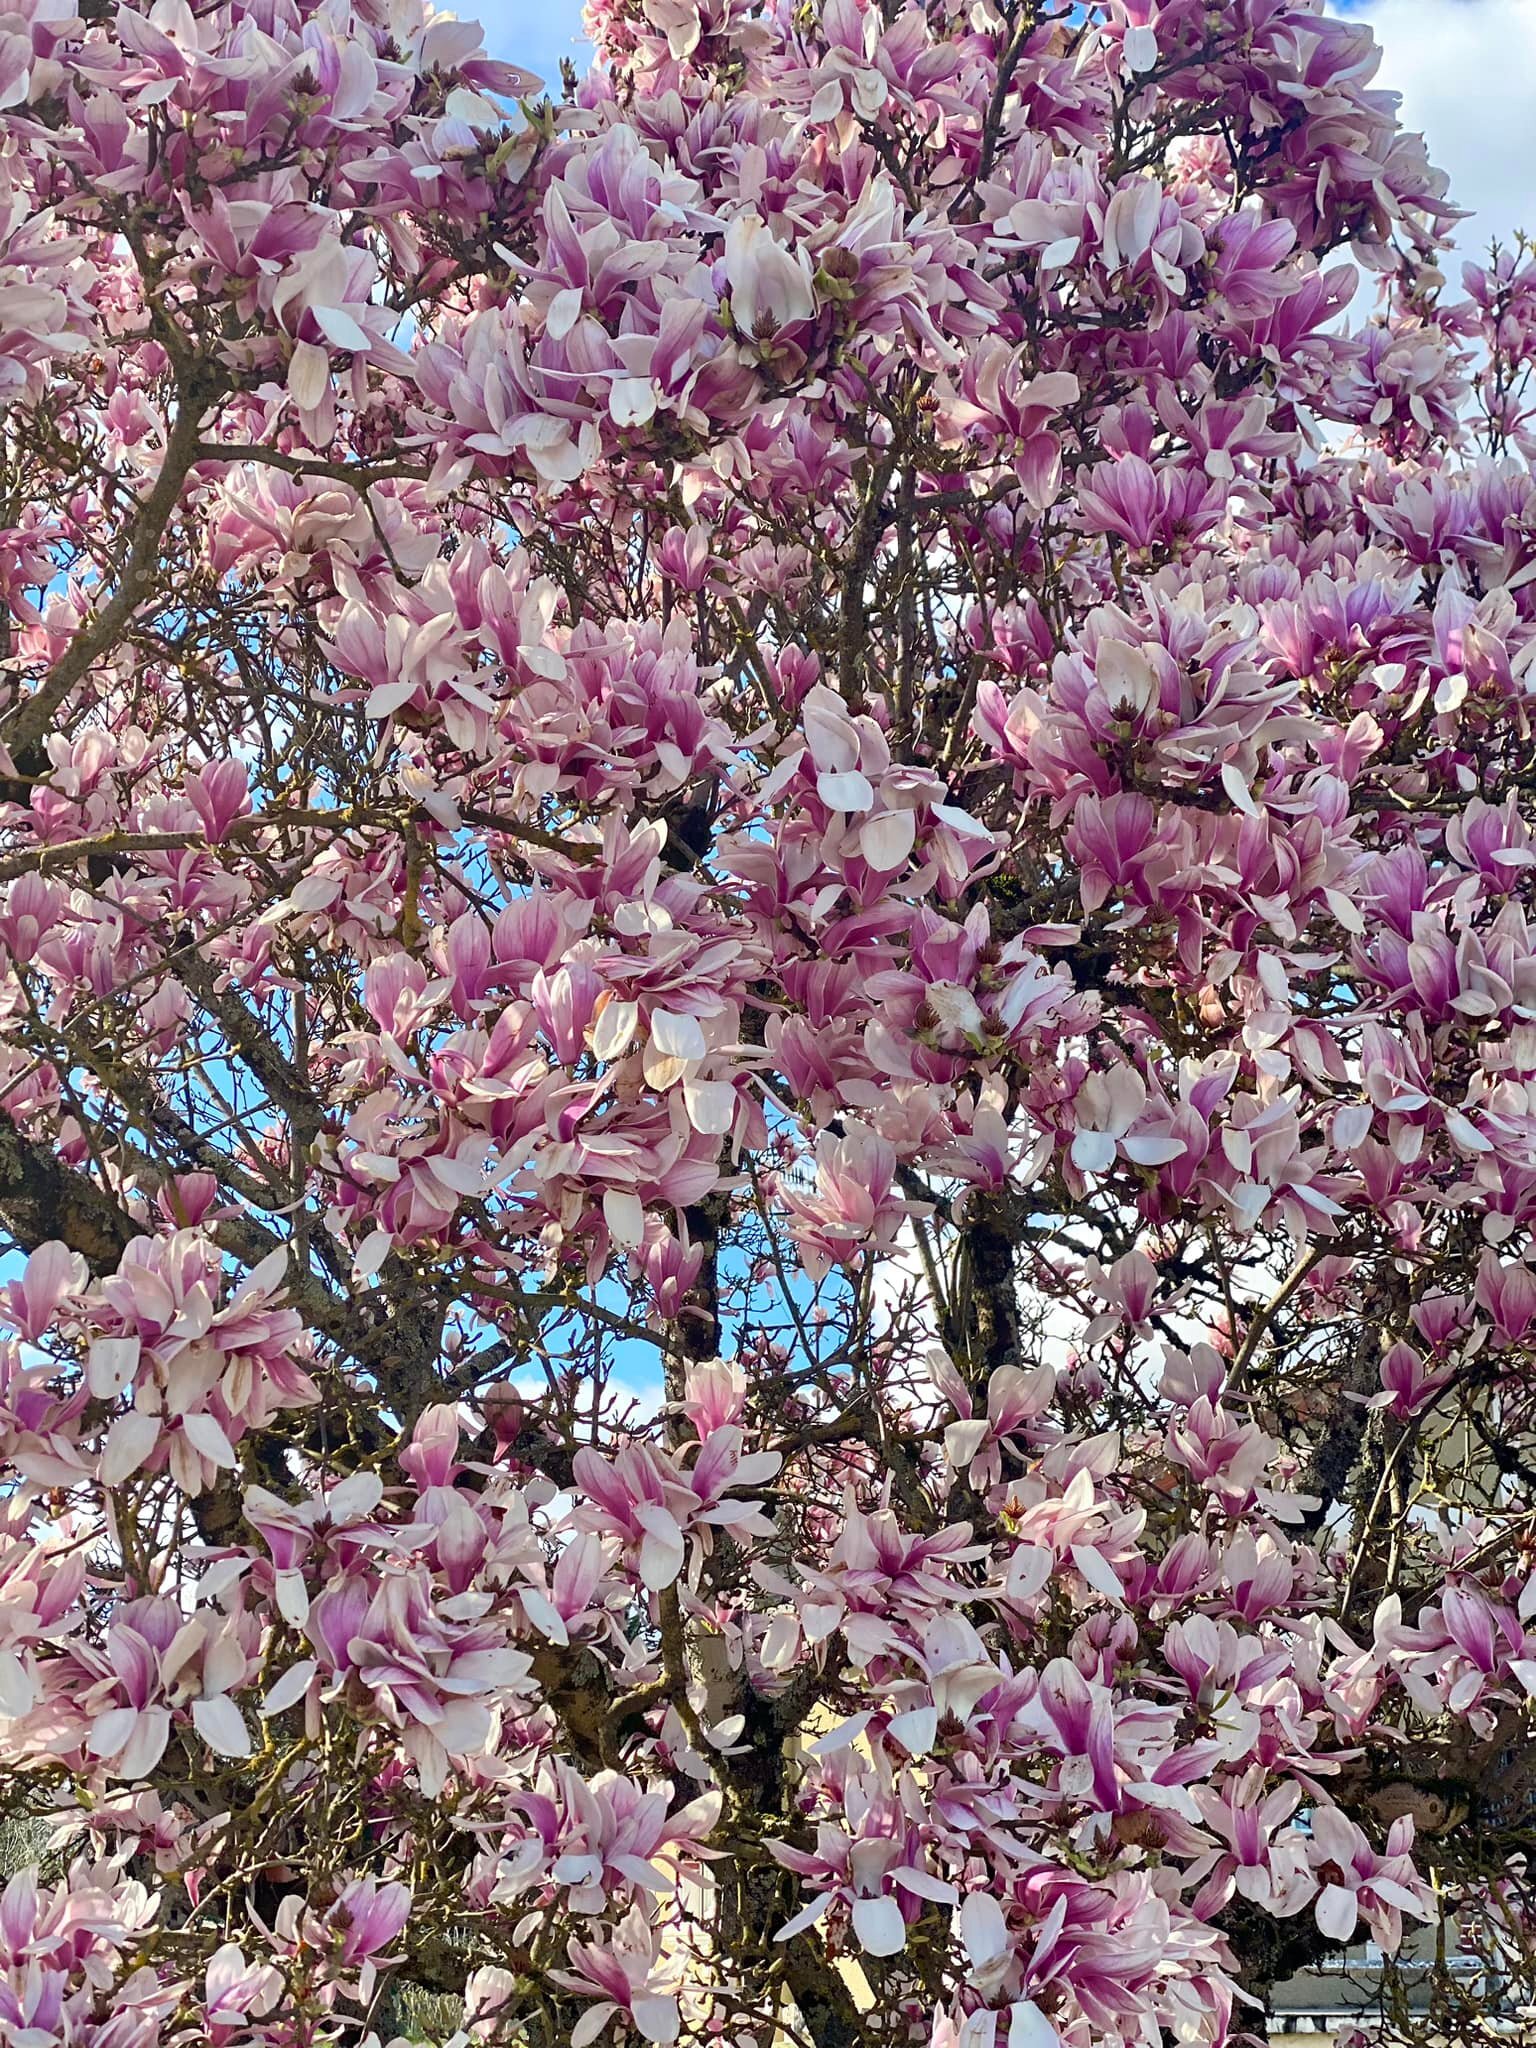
768,1032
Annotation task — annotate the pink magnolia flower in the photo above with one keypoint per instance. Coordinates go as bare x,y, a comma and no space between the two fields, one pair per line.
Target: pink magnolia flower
1112,1114
1507,1292
1356,1881
52,1273
199,1374
878,1572
235,1992
1265,1859
606,1833
431,1674
627,1979
1015,1398
343,1947
854,1203
1406,1386
770,284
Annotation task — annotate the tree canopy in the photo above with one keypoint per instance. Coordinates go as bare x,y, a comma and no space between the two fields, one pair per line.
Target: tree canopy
767,1030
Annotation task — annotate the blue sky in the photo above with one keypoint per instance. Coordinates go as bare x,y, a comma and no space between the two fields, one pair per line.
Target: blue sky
534,33
1466,70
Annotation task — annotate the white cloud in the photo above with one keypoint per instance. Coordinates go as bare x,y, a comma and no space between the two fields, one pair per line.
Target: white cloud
1466,70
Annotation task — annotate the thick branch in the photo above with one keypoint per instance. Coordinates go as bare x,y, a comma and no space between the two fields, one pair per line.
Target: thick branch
42,1199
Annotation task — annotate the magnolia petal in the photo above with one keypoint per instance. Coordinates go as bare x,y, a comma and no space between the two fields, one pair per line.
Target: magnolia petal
591,2024
309,375
841,1737
625,1218
983,1930
1028,2027
917,1730
845,790
678,1036
221,1725
544,1614
613,1029
290,1688
657,2019
662,1550
18,1690
885,842
1337,1912
128,1443
711,1106
879,1926
111,1365
806,1917
209,1441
